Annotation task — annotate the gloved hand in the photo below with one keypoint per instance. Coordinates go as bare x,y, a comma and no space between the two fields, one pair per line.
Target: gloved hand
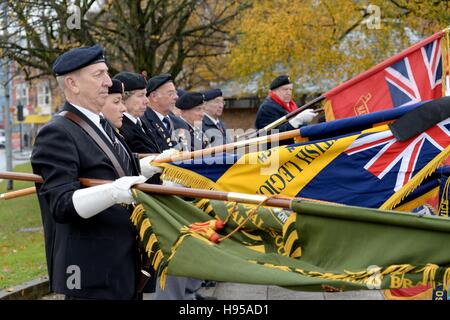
303,117
147,169
167,183
90,201
167,153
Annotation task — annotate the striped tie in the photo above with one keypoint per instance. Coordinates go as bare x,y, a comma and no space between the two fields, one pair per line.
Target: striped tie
121,152
167,124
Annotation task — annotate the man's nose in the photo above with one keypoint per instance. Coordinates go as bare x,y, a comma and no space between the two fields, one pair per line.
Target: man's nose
108,81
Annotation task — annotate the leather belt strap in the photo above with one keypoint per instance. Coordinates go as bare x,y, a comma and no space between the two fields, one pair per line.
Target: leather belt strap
98,140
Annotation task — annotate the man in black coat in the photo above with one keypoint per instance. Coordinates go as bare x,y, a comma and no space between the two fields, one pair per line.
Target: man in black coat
212,126
91,244
191,106
136,133
278,104
162,95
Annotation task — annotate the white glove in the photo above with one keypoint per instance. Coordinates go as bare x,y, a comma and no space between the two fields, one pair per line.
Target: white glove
303,117
90,201
147,169
167,183
167,153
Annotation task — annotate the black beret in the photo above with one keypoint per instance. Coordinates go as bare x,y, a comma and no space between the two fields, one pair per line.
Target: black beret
279,81
117,87
157,81
131,81
212,94
77,58
189,100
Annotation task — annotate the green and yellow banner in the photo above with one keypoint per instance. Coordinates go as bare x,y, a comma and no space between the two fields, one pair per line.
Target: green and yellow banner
315,247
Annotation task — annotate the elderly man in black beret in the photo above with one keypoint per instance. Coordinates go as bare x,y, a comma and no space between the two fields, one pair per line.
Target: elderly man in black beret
191,106
162,96
278,104
137,134
212,126
91,244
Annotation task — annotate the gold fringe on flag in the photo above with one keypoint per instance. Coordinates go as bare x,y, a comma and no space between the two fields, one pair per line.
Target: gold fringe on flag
409,187
291,242
185,177
443,204
445,48
328,107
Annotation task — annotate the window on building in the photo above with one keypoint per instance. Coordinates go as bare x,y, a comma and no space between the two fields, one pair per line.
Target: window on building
44,98
22,94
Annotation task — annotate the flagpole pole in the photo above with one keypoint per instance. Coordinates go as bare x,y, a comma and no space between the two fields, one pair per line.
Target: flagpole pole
227,147
282,120
18,193
164,190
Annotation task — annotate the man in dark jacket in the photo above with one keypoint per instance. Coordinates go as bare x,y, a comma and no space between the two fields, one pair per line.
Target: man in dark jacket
278,104
162,95
136,133
191,106
212,126
91,244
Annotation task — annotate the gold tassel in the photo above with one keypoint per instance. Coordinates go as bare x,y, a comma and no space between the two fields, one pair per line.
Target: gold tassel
429,274
445,49
137,214
144,226
162,278
443,204
185,177
329,114
398,196
446,280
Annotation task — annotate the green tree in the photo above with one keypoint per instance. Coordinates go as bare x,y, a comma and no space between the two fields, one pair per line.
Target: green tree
327,42
153,35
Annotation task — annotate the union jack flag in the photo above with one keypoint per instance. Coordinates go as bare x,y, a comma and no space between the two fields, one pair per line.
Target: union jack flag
411,76
388,152
416,77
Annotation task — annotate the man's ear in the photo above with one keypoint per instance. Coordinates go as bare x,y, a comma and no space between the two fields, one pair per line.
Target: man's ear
71,83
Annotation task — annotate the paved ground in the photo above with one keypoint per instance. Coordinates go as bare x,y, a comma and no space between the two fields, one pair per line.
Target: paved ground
235,291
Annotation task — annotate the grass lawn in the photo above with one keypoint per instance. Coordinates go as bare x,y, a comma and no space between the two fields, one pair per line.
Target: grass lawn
22,253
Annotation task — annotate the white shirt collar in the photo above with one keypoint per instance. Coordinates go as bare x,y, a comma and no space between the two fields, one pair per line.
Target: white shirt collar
160,116
95,118
215,121
132,118
181,117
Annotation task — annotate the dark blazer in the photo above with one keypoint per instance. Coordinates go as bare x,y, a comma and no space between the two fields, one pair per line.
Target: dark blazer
268,112
136,139
189,138
216,136
104,247
162,136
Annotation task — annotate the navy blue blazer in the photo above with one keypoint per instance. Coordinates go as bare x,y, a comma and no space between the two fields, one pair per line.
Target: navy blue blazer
161,136
268,112
217,136
103,248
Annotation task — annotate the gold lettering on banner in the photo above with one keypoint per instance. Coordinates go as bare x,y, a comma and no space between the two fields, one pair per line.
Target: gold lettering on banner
277,182
398,282
361,105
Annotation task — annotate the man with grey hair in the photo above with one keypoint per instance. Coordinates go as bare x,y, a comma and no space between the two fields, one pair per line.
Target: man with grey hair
91,245
162,95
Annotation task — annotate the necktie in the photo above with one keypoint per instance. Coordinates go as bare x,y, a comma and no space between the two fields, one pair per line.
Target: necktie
139,123
219,125
121,152
167,124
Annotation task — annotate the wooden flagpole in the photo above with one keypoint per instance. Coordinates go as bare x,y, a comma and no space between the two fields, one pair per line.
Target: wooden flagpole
163,190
